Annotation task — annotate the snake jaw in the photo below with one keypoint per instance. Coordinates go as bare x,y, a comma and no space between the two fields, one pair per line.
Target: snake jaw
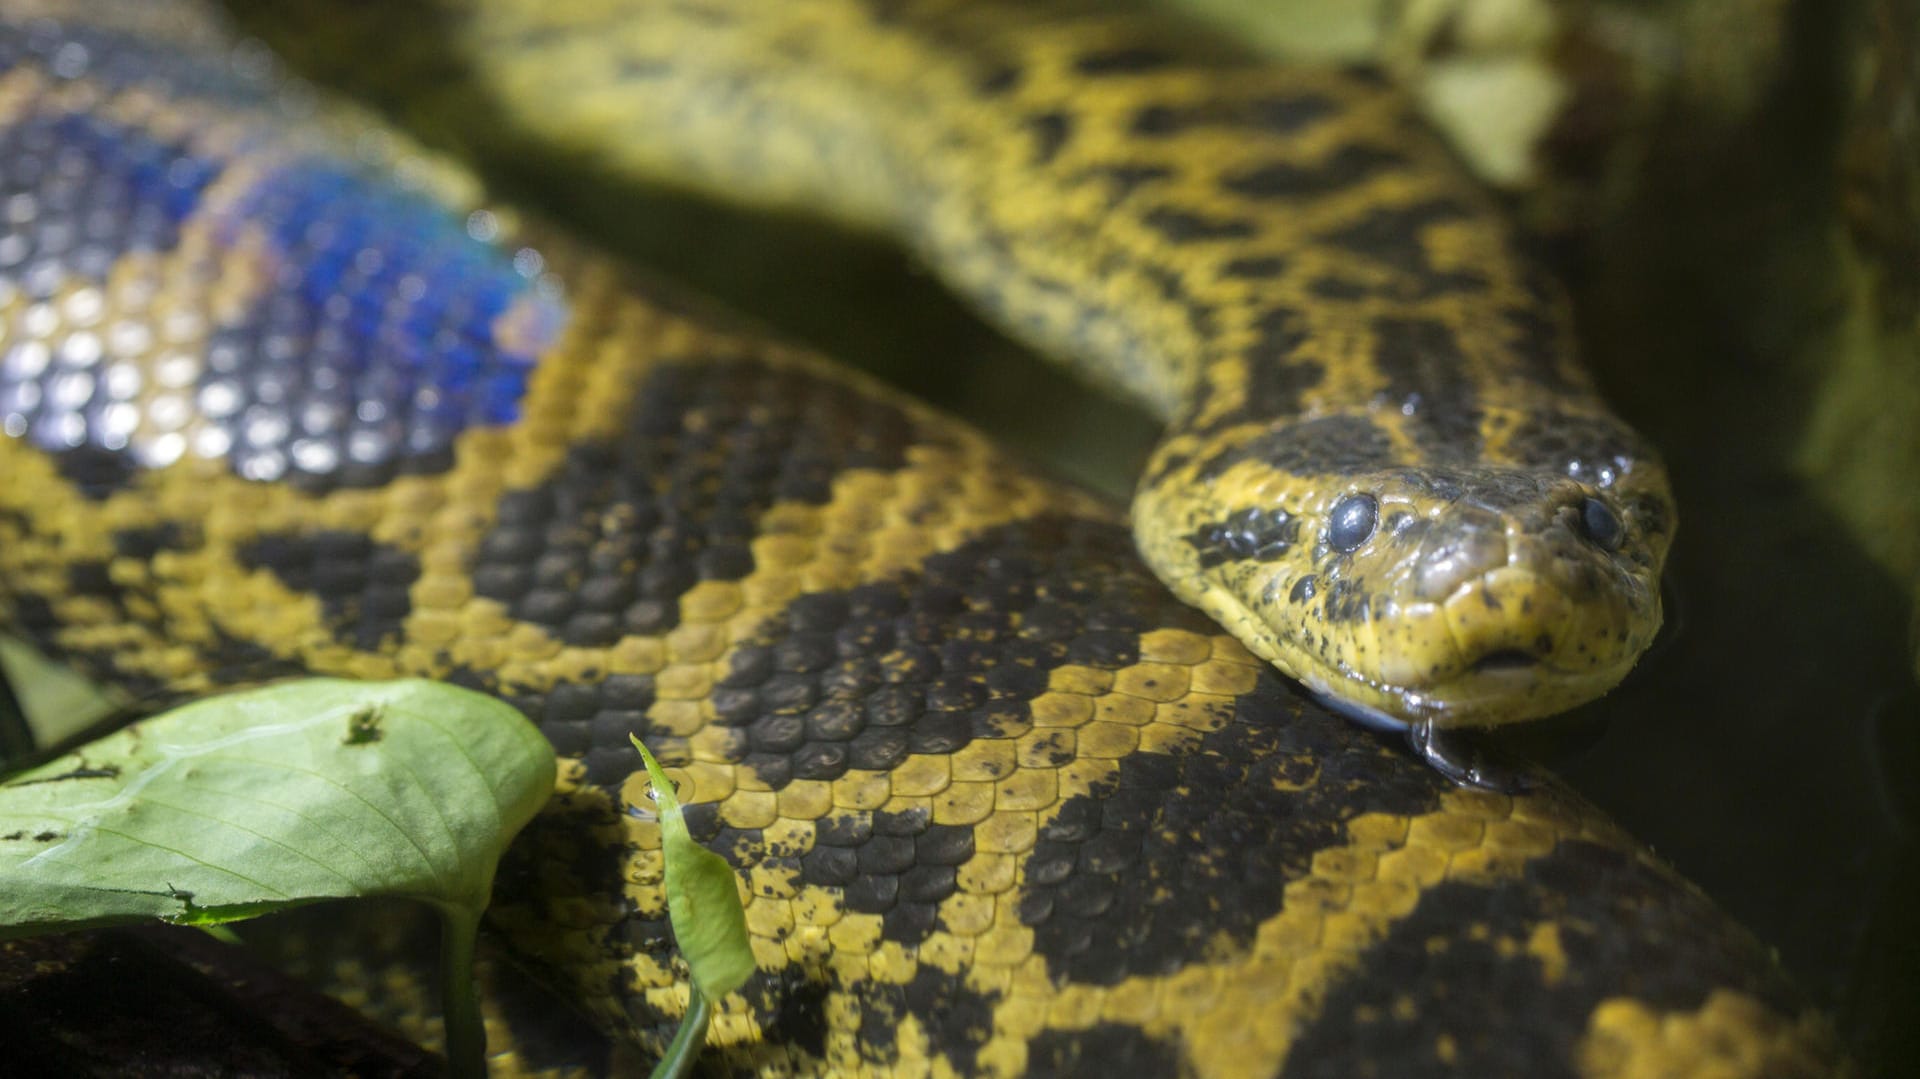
1472,660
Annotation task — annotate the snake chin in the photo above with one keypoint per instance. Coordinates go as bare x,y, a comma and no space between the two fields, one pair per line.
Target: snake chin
1440,663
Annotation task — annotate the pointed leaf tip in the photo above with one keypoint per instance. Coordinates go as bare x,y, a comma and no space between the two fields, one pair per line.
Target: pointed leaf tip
703,898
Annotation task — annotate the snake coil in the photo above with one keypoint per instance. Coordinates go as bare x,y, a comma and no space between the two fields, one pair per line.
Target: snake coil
278,387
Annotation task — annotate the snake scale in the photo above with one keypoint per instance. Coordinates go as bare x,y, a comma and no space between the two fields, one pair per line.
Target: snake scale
280,389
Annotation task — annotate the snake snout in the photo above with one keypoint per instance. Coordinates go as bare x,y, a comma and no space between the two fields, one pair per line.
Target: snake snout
1464,545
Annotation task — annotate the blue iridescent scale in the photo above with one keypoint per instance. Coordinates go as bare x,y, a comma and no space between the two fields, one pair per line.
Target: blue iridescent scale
370,334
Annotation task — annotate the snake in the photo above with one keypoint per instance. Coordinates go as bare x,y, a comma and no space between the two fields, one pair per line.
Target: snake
279,388
1382,468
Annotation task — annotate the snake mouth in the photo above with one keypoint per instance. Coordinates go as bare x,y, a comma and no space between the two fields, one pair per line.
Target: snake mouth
1504,684
1501,687
1506,659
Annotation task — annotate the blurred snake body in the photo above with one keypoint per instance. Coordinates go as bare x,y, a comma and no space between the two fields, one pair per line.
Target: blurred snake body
279,390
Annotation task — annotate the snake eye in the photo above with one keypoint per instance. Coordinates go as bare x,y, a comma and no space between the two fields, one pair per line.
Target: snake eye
1352,522
1601,524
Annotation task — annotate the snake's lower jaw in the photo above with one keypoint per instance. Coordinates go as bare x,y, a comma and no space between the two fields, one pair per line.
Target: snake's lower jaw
1523,645
1483,697
1506,648
1505,691
1508,689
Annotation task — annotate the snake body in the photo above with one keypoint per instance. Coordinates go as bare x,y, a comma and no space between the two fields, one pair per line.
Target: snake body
1383,470
279,389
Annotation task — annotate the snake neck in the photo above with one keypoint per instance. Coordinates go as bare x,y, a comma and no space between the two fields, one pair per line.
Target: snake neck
965,129
1218,239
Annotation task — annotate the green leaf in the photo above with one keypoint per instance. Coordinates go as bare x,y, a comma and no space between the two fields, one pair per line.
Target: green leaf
251,802
703,901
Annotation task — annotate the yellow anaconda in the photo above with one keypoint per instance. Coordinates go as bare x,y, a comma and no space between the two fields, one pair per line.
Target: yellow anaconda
1383,470
278,389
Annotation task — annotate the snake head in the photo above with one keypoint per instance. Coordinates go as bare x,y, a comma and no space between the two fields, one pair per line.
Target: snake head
1467,595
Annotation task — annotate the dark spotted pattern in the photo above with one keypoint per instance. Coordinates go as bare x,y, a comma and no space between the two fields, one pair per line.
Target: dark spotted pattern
1347,166
1336,288
1276,381
91,578
609,545
587,721
1595,449
935,659
1123,881
1050,132
899,865
1537,343
95,472
1280,115
28,615
1256,534
999,80
143,543
1125,179
1392,237
1427,380
1493,488
1651,515
1105,1049
1255,267
1185,226
956,1018
1348,601
1129,60
361,585
1331,444
1427,968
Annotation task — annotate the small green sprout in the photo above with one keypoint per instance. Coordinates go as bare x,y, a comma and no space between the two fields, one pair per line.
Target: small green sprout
703,904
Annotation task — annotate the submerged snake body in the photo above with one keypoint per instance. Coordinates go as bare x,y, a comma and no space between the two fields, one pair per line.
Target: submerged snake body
1383,470
276,391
